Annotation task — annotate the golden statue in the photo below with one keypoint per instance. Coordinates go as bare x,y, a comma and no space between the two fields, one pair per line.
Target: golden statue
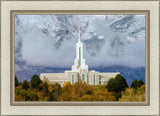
79,27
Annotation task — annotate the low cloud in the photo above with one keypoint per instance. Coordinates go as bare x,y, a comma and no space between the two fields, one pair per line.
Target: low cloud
39,49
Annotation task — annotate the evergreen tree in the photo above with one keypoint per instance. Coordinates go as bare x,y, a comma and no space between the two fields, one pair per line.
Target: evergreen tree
135,84
35,81
25,85
141,83
16,82
117,84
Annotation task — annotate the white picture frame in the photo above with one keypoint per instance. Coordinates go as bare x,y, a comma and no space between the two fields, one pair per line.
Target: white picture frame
6,47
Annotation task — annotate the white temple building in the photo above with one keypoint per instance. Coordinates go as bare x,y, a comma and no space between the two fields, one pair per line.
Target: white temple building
79,71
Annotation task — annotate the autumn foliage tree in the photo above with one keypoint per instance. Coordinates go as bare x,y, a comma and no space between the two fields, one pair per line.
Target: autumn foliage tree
133,94
25,95
45,88
81,91
117,89
55,91
66,92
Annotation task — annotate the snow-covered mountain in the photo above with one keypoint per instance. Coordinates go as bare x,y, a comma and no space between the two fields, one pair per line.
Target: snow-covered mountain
43,41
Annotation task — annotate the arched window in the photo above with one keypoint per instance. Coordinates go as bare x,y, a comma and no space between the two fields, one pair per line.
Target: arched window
72,79
83,77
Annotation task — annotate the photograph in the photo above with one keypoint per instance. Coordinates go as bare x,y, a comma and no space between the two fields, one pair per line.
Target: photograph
80,58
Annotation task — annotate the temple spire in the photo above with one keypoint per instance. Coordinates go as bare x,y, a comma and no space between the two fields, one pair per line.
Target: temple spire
79,62
79,32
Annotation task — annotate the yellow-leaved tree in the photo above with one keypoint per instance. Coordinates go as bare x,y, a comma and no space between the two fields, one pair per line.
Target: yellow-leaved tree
131,94
66,92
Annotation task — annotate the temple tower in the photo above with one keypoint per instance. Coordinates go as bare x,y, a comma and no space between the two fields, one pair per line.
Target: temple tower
79,62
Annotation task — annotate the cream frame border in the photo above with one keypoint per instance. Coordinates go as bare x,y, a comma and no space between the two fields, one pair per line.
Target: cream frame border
69,5
112,103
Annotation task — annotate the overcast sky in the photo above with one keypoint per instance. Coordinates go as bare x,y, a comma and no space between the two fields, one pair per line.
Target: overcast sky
38,49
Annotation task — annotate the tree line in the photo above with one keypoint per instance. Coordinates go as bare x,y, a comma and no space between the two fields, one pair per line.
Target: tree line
117,89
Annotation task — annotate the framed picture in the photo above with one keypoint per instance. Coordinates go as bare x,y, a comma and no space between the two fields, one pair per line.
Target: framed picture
80,57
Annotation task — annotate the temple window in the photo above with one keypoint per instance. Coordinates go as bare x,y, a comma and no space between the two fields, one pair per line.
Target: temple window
79,56
83,77
72,79
94,79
